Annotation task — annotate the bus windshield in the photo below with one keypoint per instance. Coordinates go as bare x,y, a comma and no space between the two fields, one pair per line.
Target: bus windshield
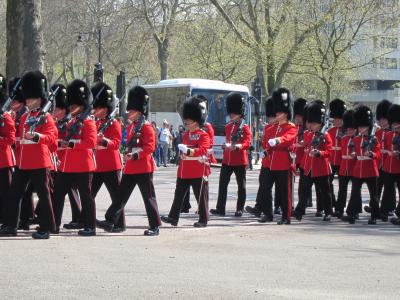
217,115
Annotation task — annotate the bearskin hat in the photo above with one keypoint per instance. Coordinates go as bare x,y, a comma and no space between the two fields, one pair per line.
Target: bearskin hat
235,104
269,108
393,114
78,93
3,88
61,95
382,109
103,96
363,116
193,110
348,119
337,107
203,103
282,99
316,112
298,106
18,93
138,99
34,85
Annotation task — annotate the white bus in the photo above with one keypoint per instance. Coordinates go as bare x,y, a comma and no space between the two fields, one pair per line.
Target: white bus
167,97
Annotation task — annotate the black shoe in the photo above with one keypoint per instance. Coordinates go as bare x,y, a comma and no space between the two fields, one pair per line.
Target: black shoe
118,229
395,221
338,214
384,217
327,218
357,217
265,219
87,232
390,213
23,226
367,209
372,221
349,219
283,222
200,224
277,211
239,213
298,215
318,214
41,235
106,225
254,211
73,225
152,231
169,220
216,212
8,231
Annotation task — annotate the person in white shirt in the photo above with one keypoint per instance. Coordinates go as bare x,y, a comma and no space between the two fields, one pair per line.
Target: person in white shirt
164,138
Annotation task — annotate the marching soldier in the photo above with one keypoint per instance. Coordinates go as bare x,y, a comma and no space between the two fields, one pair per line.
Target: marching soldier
337,107
77,164
278,147
235,158
366,152
7,139
108,158
316,162
193,169
61,116
139,166
264,193
38,132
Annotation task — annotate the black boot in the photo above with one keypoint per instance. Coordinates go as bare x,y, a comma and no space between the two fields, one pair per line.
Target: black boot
265,219
41,235
253,211
216,212
169,220
152,231
8,231
87,232
200,224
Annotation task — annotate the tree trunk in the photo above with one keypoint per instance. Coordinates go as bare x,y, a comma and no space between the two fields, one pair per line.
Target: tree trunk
163,58
25,45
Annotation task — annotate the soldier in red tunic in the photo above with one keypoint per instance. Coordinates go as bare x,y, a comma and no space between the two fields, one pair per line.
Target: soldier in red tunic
139,167
366,152
77,164
235,158
193,169
38,132
337,108
7,139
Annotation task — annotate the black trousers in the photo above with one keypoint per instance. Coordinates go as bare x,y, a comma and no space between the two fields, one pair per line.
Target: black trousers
128,183
83,182
335,170
322,191
355,199
40,180
381,183
302,191
186,200
264,193
28,204
224,178
389,193
5,184
111,180
200,190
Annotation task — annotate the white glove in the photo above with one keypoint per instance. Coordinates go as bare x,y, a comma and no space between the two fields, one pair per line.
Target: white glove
272,142
227,145
183,148
136,150
261,154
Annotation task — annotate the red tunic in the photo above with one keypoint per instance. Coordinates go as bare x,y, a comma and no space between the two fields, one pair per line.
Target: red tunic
108,157
365,167
7,139
269,131
210,131
347,162
280,154
194,166
317,166
147,142
381,136
392,162
306,150
299,147
36,155
336,155
237,157
80,158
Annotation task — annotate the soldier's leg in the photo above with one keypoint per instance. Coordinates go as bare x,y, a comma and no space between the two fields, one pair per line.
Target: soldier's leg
146,186
240,173
200,190
224,178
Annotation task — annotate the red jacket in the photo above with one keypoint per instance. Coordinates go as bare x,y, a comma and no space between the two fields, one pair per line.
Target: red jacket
80,157
280,154
336,155
237,157
365,167
194,166
210,131
317,166
347,162
306,150
269,130
147,142
381,136
36,155
299,147
392,162
7,139
108,157
17,120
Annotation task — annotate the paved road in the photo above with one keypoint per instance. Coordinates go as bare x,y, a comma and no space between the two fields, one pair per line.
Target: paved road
232,258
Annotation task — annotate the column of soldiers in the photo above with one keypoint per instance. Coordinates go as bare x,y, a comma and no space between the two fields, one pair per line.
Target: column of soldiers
66,141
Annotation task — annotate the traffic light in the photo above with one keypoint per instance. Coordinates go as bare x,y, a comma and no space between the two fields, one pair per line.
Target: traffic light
98,72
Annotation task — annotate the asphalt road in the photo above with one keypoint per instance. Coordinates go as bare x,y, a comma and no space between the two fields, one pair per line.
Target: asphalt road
231,258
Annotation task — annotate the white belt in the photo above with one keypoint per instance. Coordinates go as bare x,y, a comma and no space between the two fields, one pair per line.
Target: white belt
100,148
201,159
347,157
210,151
74,141
364,158
27,142
385,151
336,148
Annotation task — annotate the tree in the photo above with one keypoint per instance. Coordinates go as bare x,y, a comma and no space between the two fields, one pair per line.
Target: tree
25,45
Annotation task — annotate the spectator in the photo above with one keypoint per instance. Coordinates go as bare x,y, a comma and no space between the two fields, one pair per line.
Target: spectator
156,153
164,140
